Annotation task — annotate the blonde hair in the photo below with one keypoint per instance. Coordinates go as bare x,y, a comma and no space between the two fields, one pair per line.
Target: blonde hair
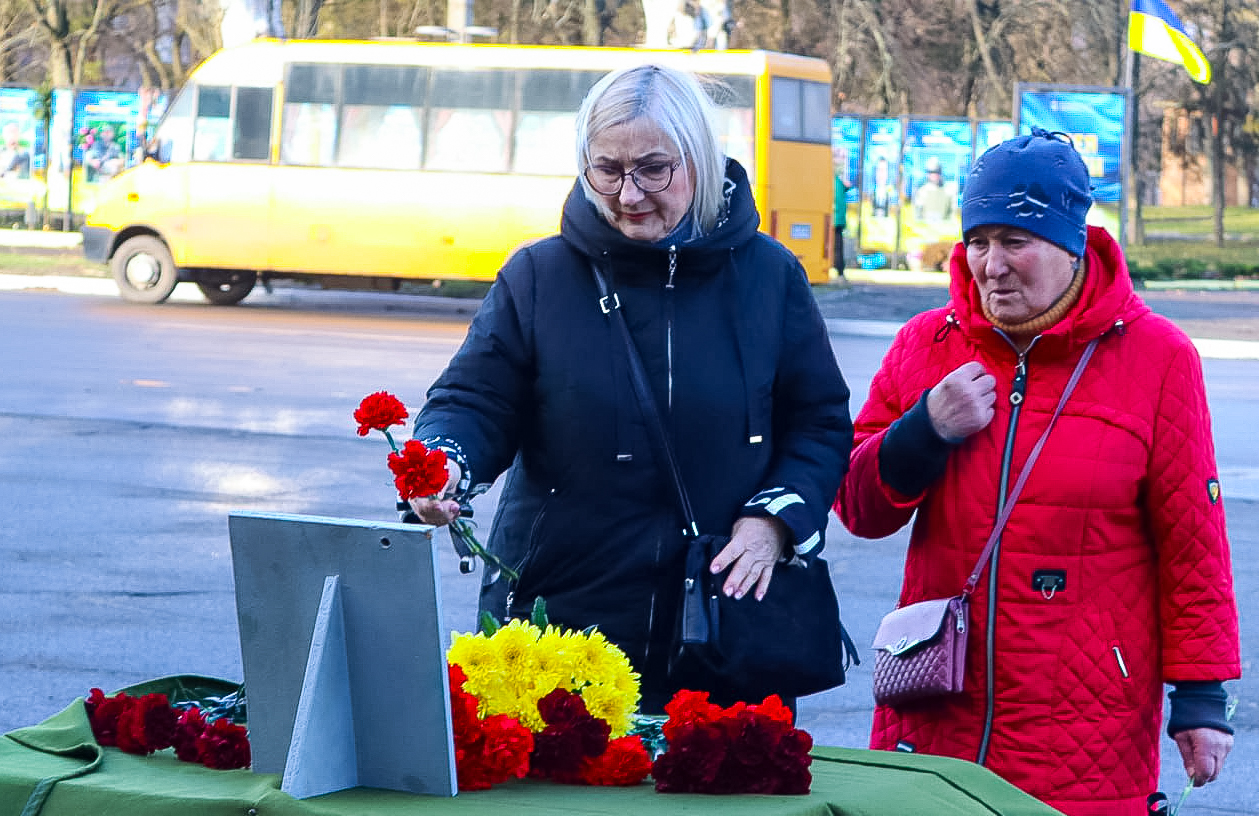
676,102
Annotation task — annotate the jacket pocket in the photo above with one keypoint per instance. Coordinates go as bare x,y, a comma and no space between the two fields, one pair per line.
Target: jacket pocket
1095,675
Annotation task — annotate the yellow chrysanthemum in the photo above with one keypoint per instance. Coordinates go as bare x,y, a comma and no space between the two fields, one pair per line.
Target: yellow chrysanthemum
608,702
598,656
476,655
516,644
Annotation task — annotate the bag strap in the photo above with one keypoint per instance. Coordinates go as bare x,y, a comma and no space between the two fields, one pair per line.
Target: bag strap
1008,507
610,304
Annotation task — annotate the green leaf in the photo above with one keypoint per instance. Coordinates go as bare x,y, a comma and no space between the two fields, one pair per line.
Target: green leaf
538,616
488,624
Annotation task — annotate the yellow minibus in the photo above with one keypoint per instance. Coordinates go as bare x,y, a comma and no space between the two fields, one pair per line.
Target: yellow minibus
369,164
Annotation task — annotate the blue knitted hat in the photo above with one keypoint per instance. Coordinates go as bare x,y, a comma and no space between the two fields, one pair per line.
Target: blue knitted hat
1038,183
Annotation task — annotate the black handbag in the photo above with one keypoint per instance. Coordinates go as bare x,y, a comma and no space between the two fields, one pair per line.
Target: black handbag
790,643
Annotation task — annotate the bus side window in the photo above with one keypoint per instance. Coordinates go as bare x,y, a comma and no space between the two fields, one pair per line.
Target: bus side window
735,99
548,120
382,117
253,123
801,110
470,120
309,132
174,135
212,130
784,97
816,124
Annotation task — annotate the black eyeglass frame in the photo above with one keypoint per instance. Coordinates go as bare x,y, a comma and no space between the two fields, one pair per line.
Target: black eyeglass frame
632,175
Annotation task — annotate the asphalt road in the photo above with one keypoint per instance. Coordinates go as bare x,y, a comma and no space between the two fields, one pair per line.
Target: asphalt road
131,432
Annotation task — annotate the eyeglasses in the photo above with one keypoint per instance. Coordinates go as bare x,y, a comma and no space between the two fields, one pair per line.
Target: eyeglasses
608,179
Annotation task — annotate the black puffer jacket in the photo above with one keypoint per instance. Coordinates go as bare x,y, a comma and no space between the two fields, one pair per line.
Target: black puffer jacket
741,366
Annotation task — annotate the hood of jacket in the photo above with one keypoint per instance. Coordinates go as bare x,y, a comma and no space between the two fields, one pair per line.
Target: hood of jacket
583,227
1108,296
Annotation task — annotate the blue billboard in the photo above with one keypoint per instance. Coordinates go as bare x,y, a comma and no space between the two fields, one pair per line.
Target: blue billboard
1094,118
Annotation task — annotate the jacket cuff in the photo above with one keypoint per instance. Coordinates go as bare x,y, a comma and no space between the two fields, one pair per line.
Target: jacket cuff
453,451
790,509
912,455
1198,704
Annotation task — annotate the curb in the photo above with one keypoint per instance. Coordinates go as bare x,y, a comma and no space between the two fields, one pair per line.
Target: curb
38,239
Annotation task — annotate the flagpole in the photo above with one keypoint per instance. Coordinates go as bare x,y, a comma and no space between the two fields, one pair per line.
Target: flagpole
1127,164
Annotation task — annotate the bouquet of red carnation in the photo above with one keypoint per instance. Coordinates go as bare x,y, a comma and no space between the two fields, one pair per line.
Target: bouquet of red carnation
417,471
741,749
142,725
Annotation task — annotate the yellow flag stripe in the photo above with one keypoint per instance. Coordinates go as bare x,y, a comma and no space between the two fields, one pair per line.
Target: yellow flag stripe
1153,37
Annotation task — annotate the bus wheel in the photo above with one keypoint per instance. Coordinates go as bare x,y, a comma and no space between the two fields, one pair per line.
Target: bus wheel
226,288
144,270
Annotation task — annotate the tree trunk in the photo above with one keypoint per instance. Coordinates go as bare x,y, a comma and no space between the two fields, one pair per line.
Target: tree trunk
591,25
996,86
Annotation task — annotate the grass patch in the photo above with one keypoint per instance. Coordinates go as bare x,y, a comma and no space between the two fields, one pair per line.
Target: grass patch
1198,222
49,262
1180,245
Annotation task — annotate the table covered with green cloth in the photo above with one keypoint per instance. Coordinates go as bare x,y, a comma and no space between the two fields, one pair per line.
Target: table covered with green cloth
56,768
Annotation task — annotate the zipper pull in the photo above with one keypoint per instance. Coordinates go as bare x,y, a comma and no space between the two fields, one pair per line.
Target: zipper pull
1019,387
673,264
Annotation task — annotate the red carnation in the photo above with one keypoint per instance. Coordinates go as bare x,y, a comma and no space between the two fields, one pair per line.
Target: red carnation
224,745
694,758
188,730
571,736
379,411
625,762
103,713
418,471
562,707
505,748
147,725
688,708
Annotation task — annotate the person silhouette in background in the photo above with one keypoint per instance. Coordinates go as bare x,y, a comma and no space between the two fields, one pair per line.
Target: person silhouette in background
15,158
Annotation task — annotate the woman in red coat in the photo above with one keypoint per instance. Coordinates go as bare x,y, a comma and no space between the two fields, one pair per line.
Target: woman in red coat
1112,575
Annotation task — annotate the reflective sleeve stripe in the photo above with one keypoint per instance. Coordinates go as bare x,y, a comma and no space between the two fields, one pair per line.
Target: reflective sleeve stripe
776,506
809,545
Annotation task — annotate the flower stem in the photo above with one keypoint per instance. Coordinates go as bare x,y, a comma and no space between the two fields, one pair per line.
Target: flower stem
389,436
461,532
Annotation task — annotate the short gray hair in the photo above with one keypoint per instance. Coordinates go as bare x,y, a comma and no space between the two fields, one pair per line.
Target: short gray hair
676,102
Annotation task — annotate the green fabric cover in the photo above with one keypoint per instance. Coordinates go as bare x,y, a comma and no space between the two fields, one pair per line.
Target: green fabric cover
57,769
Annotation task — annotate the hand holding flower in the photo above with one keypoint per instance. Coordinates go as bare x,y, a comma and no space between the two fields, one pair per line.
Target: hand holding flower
440,509
425,480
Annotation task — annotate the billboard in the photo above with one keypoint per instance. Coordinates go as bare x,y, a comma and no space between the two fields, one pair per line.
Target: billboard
880,184
1094,118
936,159
20,185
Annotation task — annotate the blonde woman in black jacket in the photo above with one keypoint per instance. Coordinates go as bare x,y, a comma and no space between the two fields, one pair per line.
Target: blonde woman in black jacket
737,356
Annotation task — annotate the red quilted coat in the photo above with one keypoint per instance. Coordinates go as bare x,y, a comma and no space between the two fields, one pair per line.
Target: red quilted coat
1063,688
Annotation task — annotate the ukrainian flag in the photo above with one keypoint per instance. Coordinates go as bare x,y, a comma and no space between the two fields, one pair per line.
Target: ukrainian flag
1155,30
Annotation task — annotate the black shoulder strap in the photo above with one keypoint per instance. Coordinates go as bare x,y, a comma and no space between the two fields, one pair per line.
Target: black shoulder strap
610,304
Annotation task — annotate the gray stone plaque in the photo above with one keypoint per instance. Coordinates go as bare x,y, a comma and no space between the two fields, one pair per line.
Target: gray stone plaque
340,622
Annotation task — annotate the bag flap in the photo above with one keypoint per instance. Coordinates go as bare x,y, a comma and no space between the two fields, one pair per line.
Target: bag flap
903,629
